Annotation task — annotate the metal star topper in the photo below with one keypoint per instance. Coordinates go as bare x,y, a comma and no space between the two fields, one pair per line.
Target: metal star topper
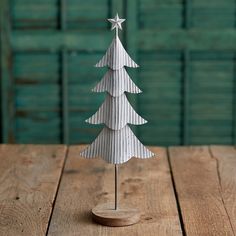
116,22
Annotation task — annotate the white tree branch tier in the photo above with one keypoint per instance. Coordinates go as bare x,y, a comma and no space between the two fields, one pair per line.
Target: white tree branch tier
116,147
116,143
116,82
115,113
116,57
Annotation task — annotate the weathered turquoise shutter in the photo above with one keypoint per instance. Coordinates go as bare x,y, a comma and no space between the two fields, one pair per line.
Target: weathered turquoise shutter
186,50
187,53
54,45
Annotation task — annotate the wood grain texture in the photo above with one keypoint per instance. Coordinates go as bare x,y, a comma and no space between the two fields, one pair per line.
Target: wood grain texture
199,193
29,176
225,157
146,184
106,214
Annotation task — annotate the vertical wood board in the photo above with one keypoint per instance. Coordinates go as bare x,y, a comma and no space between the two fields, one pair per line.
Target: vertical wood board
91,182
225,157
29,177
199,193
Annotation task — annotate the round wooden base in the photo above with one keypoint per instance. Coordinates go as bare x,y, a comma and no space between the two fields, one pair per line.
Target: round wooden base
106,214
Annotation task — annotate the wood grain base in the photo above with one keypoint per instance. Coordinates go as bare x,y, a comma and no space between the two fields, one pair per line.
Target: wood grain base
106,214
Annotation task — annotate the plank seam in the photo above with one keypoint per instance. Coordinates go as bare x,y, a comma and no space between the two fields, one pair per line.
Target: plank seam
220,184
57,190
176,195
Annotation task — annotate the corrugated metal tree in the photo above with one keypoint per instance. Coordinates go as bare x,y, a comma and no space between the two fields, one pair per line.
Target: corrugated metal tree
116,143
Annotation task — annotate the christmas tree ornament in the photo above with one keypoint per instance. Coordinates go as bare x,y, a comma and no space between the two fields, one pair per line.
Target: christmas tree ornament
116,143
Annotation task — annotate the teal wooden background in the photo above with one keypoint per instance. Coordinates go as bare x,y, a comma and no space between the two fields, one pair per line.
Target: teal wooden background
186,50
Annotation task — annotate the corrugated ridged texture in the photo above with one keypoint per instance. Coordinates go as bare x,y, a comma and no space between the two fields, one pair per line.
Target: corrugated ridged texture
116,143
116,82
116,146
115,113
116,57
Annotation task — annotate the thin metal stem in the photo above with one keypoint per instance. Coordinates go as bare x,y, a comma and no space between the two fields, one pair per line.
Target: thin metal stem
116,186
117,31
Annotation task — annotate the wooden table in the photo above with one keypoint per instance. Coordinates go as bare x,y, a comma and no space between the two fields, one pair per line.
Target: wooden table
49,189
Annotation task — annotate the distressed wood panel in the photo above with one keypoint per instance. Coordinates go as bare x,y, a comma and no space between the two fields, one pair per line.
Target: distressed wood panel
213,14
211,98
37,97
87,15
186,50
160,104
150,180
6,79
38,73
29,176
83,76
161,14
193,39
35,15
54,40
38,15
225,157
194,102
195,174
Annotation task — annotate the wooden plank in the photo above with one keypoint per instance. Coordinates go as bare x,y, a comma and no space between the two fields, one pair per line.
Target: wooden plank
38,15
181,39
165,67
161,14
147,40
186,76
64,76
6,80
64,103
29,176
34,15
186,93
198,190
55,40
234,100
144,183
225,158
210,101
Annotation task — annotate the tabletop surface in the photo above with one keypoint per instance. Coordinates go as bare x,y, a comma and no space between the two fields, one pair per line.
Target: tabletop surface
50,190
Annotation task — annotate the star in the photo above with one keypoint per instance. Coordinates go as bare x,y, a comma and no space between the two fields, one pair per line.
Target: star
116,22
